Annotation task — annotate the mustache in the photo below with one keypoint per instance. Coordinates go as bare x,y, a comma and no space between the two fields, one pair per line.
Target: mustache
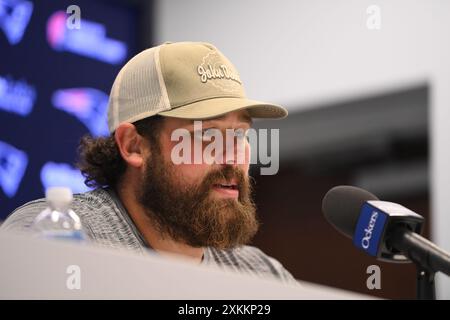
227,173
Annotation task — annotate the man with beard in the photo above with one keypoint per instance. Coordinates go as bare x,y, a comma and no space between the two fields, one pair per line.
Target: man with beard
142,200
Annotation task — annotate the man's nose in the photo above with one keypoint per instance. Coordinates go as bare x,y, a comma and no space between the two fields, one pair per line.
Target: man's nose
234,151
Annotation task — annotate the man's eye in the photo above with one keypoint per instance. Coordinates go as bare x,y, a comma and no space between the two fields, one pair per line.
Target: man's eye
206,134
209,133
241,134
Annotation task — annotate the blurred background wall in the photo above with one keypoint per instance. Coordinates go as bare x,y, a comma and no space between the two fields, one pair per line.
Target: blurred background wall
368,107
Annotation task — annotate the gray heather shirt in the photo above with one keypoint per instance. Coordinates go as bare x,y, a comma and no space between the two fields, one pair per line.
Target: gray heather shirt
107,223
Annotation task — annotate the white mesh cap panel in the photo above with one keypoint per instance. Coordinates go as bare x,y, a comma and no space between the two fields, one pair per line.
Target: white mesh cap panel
138,91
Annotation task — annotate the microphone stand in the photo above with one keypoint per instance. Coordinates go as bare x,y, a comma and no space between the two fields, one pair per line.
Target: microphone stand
426,289
428,258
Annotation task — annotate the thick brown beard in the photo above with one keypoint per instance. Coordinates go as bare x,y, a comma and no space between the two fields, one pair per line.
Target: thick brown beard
189,214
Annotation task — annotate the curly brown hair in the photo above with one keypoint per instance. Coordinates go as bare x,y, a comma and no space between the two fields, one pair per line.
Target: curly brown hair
99,159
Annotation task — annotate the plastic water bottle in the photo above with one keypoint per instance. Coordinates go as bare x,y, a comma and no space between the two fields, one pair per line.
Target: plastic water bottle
58,221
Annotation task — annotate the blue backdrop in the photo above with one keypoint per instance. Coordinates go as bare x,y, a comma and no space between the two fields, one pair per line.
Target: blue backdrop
54,85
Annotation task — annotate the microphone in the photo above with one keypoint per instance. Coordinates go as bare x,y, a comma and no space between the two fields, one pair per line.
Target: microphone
385,230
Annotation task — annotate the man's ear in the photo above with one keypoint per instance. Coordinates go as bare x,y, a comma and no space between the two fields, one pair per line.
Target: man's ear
131,145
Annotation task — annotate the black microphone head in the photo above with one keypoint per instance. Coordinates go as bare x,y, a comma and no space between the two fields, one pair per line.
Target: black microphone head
341,206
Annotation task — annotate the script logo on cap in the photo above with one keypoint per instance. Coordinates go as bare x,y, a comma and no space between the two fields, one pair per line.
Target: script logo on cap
213,70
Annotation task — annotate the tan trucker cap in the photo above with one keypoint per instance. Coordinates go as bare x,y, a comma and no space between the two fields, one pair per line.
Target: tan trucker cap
191,80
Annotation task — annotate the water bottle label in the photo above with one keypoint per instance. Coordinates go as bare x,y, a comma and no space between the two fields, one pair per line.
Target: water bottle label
70,235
